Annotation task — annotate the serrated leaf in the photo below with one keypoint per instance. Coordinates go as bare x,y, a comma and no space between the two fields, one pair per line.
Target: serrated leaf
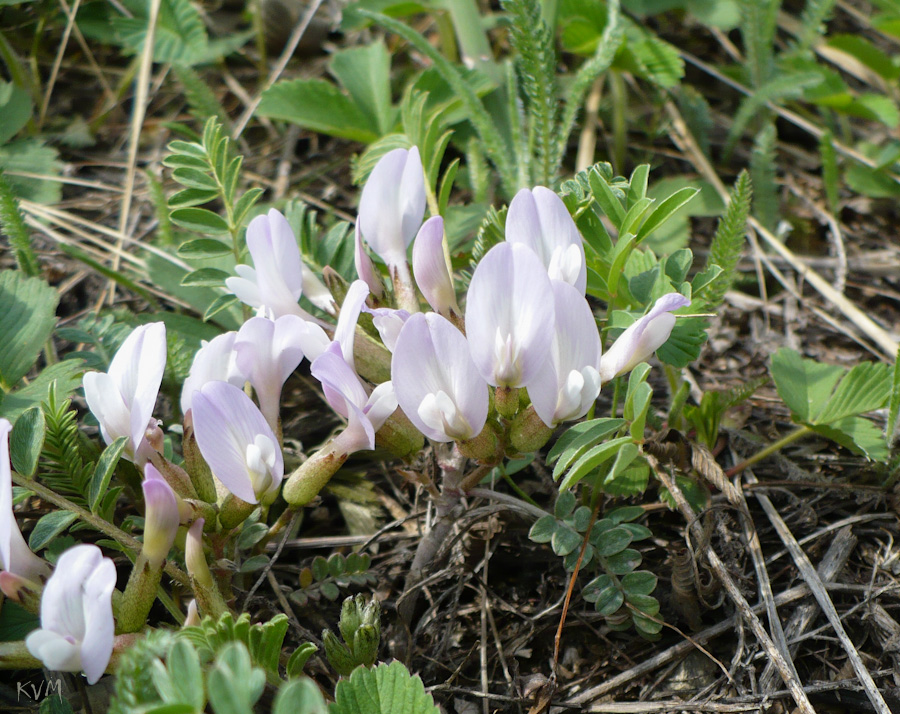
365,72
386,689
684,344
27,318
27,440
866,387
66,374
106,466
50,526
804,385
200,220
317,105
857,434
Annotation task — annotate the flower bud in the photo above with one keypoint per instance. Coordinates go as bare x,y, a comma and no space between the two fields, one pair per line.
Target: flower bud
365,269
161,517
431,270
194,557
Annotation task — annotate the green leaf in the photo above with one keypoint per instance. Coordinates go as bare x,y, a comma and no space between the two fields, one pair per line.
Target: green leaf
203,248
223,302
624,561
565,540
365,72
300,696
234,684
865,388
205,278
66,374
684,344
15,108
593,458
386,689
106,467
191,197
857,434
200,220
50,526
565,504
298,660
55,705
805,385
16,622
613,541
185,674
863,50
27,318
317,105
27,440
574,441
543,529
195,178
602,591
31,156
641,582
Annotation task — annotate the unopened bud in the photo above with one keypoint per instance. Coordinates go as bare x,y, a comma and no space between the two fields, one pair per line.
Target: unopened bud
528,433
161,517
197,468
304,484
399,435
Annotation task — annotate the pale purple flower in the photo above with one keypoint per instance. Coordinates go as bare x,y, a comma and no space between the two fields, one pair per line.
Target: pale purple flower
15,555
388,322
346,394
569,381
509,315
365,269
77,627
161,516
236,441
215,361
345,331
539,219
122,399
642,338
392,204
436,382
431,270
267,353
276,279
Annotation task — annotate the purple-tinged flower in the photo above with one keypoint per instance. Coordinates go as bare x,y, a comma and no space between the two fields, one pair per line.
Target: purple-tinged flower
161,516
123,398
431,270
345,393
316,291
436,382
388,322
569,381
392,204
77,627
276,279
236,441
267,353
15,555
365,269
345,331
539,219
509,315
215,361
642,338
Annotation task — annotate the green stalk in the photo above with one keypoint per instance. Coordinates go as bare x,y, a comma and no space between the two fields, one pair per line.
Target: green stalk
473,40
120,536
798,433
139,596
619,109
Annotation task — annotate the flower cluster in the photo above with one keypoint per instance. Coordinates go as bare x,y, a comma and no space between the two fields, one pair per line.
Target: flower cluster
494,379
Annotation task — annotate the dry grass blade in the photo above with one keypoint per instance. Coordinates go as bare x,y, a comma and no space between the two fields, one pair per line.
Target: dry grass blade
137,123
57,61
809,574
878,335
784,668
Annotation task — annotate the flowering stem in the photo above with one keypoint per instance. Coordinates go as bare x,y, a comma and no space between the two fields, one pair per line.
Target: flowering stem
798,433
139,595
120,536
404,290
